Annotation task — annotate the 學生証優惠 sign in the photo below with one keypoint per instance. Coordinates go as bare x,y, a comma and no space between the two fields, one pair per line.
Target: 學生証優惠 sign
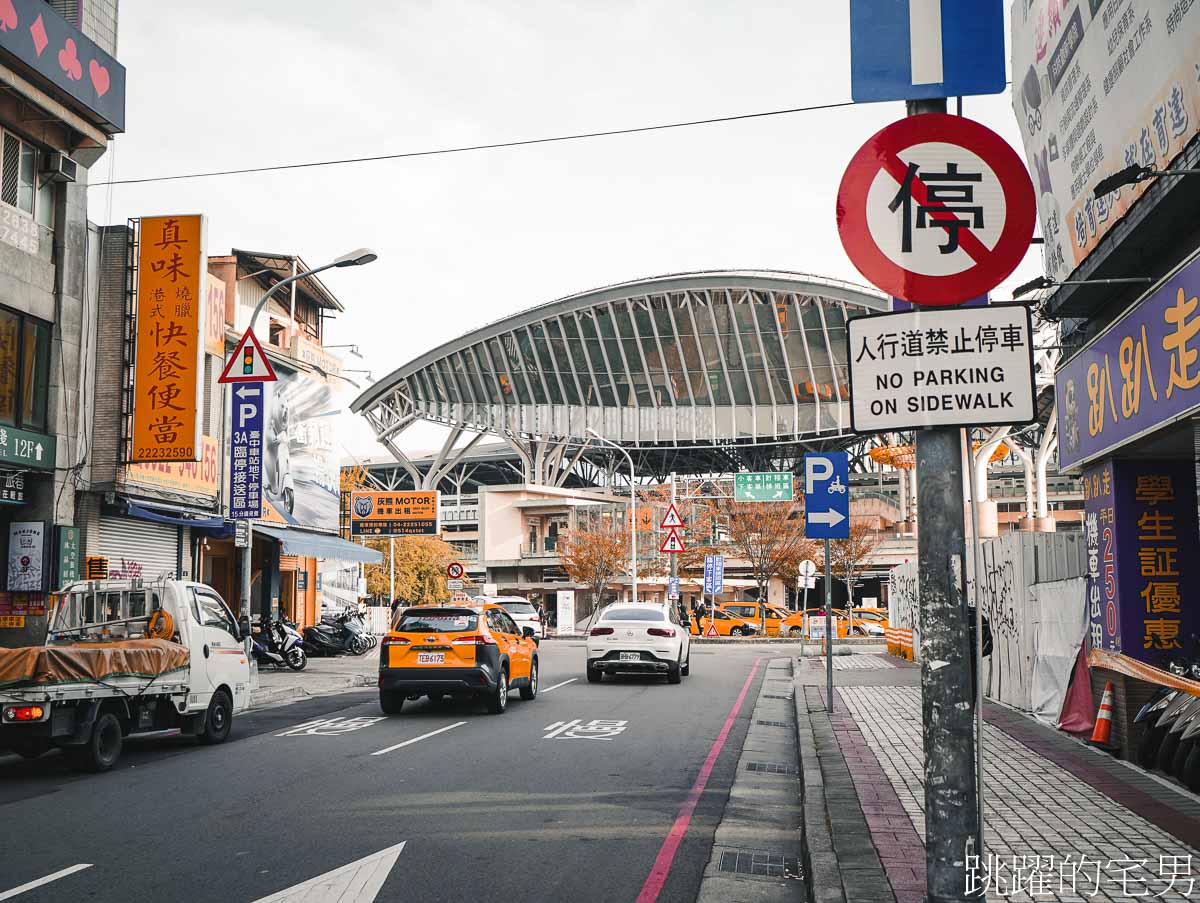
168,356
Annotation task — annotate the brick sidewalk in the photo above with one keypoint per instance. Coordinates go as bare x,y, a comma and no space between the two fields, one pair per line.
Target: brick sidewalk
1045,796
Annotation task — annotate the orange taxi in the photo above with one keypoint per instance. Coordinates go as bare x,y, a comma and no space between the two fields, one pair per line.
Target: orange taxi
793,625
464,651
727,624
753,612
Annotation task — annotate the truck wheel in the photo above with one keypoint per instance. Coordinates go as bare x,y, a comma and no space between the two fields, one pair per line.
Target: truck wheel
103,747
219,719
390,702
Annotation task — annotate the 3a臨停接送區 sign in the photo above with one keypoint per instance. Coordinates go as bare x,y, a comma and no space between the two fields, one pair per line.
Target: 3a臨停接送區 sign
970,366
936,209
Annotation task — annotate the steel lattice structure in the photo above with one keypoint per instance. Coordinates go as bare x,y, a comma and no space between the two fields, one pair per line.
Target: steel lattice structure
709,360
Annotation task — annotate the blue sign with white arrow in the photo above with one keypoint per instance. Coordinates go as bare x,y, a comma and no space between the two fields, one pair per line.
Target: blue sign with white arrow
827,495
714,574
245,450
913,49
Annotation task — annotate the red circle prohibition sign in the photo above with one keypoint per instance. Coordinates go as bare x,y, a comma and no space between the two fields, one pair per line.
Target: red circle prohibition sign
882,152
454,570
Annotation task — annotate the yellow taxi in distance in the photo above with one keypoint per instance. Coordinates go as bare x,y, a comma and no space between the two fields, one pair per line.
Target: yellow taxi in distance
464,651
727,624
793,625
753,612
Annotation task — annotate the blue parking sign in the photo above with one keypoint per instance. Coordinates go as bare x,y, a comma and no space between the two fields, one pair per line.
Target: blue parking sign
913,49
827,495
246,452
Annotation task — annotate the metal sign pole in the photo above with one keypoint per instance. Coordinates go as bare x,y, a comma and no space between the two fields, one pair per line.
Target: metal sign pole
392,563
828,628
674,558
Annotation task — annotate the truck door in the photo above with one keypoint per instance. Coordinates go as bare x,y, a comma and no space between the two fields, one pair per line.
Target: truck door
223,653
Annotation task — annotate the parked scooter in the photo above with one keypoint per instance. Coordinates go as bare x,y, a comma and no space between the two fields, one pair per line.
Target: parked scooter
1152,735
335,638
278,643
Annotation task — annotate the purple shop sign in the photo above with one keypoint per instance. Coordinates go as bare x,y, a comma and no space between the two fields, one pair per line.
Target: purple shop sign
1100,543
1141,373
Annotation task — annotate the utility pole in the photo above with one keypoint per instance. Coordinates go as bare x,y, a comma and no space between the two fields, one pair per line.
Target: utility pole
828,629
947,703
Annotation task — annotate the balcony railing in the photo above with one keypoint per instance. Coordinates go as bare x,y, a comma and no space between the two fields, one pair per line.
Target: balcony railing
545,549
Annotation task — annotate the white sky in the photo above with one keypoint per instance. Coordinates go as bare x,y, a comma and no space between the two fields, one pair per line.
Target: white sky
468,238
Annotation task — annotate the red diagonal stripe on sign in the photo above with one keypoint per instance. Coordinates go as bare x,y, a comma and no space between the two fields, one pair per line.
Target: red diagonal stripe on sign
967,240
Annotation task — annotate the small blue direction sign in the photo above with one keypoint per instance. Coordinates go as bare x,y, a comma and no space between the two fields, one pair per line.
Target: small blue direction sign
245,449
913,49
714,574
827,495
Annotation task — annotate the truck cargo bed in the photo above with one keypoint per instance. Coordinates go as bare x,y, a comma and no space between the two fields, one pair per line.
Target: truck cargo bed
119,662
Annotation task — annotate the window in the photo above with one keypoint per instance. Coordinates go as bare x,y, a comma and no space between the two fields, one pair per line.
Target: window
438,620
521,608
211,612
634,614
18,173
24,370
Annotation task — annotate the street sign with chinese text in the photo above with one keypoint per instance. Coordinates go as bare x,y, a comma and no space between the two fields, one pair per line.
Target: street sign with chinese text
936,209
169,353
971,366
827,495
454,584
408,513
762,487
672,588
246,452
714,573
241,534
68,556
912,49
248,363
34,450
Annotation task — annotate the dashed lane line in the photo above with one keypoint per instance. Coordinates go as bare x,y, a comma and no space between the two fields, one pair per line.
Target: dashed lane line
17,891
557,685
440,730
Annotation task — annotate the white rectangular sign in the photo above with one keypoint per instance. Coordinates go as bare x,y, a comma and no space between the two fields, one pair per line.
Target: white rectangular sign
1099,86
565,612
964,366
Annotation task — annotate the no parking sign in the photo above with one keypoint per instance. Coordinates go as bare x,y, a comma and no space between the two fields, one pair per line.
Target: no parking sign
936,209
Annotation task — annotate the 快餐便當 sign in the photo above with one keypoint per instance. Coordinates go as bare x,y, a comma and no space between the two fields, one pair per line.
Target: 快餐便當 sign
969,366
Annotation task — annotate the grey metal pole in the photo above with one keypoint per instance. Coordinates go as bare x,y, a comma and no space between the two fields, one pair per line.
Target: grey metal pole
392,564
828,628
977,565
674,558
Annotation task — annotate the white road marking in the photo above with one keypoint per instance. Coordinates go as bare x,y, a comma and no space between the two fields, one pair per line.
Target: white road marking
16,891
331,727
556,686
358,882
925,41
440,730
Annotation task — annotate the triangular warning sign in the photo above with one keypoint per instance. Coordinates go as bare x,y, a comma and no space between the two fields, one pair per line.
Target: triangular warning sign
673,544
248,363
672,519
712,629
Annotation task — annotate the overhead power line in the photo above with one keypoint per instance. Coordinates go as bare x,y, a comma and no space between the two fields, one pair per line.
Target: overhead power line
580,136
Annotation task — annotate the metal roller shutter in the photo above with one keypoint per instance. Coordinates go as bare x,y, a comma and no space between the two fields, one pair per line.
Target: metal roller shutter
138,548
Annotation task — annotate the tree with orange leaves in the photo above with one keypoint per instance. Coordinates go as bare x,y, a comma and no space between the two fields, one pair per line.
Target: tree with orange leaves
594,552
848,557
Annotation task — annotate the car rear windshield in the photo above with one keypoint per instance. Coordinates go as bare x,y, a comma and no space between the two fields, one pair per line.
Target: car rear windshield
519,608
438,620
634,614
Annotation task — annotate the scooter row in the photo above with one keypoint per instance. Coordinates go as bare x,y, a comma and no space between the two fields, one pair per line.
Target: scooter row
1171,739
342,634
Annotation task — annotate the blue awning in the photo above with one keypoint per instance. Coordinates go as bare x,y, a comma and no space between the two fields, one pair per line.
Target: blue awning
169,515
319,545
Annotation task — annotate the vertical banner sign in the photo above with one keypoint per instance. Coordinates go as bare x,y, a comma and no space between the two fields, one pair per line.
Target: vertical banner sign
245,449
1100,538
25,556
169,354
714,574
68,556
565,612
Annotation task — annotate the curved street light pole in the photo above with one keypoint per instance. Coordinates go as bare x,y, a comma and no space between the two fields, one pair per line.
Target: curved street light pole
632,510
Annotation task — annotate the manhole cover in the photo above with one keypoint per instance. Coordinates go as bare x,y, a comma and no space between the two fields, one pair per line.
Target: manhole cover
772,768
760,862
773,723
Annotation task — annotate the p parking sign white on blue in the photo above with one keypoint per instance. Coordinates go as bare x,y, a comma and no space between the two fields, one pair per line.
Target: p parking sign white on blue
245,451
913,49
827,495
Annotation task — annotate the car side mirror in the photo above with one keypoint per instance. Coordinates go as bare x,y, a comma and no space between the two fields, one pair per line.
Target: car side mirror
528,632
243,627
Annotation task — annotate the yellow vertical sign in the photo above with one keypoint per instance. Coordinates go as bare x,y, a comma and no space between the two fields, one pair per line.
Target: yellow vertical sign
168,355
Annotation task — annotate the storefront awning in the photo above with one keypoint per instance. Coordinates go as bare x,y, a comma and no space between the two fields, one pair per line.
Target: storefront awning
319,545
165,514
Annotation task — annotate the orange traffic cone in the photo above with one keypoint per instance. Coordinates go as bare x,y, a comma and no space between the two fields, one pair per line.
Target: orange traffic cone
1103,731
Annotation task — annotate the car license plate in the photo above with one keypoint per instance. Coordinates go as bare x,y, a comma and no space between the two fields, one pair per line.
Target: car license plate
431,658
631,656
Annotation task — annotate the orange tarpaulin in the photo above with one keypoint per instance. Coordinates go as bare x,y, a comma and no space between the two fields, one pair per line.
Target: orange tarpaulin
46,665
1131,667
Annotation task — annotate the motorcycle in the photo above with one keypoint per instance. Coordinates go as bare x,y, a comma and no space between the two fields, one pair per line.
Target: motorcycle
278,643
335,635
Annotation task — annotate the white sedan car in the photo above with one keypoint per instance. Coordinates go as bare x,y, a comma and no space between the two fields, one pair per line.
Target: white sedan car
644,638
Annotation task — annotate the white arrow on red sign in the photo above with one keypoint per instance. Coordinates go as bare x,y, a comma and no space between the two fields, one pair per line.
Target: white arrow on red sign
673,544
671,520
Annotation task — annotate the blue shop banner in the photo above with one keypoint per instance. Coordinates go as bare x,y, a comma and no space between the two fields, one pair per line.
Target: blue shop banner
1141,373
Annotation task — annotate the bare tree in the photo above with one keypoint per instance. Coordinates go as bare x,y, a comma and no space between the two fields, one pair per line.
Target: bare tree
848,557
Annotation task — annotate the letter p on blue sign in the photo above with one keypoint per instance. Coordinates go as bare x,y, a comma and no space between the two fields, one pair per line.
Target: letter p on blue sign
827,495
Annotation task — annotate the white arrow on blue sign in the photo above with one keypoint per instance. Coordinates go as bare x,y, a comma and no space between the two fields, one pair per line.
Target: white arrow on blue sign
246,452
827,495
912,49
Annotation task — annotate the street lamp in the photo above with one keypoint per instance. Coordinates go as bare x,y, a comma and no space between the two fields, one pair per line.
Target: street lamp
632,510
1131,175
1041,282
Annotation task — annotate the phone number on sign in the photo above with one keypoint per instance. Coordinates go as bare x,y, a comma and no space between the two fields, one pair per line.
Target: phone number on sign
179,453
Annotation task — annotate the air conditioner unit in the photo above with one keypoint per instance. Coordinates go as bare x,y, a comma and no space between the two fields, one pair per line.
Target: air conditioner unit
59,168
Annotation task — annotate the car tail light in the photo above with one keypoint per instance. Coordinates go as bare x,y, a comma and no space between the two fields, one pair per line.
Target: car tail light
661,631
534,618
396,641
478,639
601,631
24,713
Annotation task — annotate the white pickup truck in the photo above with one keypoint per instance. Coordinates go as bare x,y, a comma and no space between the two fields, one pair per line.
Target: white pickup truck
122,657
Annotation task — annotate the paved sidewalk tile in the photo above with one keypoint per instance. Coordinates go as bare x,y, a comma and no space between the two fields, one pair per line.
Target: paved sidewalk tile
1035,809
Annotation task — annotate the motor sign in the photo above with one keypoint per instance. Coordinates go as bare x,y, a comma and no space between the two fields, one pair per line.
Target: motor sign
936,209
395,513
913,49
246,452
827,495
970,366
248,363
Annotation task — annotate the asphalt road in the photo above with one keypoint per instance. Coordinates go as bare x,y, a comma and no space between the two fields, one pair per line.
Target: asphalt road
488,807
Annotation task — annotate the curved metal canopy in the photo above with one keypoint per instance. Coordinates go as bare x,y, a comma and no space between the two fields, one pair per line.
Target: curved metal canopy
707,358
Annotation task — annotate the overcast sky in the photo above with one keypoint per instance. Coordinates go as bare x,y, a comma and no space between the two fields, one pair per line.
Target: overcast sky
468,238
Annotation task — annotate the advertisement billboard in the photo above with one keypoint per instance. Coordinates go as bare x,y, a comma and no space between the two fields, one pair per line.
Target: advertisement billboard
168,358
401,513
1098,87
199,478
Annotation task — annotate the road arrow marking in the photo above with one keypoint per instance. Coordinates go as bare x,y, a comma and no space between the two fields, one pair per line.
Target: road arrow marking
358,882
9,894
833,517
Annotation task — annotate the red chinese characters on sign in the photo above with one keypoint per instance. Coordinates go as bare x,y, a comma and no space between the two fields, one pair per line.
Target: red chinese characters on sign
169,354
